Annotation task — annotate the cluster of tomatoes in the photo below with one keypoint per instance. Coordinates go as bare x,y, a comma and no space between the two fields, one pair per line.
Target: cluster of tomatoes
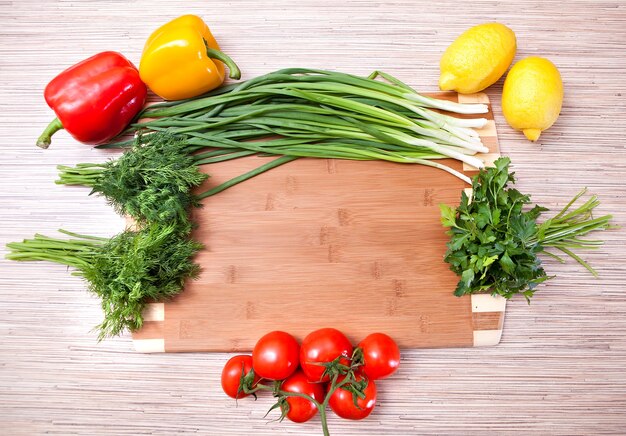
325,370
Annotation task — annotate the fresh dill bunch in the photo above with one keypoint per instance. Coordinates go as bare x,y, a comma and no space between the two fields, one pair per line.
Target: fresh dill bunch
127,271
151,182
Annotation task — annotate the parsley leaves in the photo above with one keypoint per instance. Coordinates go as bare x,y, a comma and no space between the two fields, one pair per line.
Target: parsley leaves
495,238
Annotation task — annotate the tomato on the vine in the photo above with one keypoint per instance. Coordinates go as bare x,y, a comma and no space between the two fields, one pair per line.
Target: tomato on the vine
381,356
275,356
342,400
323,346
235,368
300,409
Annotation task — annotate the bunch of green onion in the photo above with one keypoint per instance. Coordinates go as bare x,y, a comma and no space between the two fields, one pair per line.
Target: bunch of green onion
315,113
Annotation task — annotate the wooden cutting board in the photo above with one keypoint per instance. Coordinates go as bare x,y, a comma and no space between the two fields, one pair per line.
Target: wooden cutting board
326,243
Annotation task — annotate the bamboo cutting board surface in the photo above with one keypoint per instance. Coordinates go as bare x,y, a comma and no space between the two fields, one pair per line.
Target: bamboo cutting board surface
353,245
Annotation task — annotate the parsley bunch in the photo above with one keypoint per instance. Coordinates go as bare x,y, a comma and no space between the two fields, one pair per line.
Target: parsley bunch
126,271
495,238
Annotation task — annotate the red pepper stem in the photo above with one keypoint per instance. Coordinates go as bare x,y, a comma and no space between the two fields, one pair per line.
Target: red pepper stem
234,72
45,138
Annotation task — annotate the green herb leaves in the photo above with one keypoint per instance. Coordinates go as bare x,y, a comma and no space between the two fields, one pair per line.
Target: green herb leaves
152,182
495,239
136,267
126,272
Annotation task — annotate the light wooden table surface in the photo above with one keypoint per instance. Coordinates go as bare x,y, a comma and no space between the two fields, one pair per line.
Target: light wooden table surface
560,368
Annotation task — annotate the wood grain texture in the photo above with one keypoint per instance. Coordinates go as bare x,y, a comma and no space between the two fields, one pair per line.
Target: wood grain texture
560,368
354,245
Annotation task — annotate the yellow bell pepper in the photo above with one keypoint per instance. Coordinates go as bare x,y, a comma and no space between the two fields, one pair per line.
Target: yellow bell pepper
181,59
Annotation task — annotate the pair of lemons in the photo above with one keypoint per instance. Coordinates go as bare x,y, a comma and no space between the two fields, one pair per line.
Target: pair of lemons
533,91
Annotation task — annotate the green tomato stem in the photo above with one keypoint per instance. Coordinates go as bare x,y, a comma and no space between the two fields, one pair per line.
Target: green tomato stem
321,407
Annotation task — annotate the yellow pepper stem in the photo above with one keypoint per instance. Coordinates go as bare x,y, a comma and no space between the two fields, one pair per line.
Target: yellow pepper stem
234,72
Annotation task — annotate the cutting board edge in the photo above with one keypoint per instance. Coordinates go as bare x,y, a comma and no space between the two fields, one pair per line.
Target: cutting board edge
487,317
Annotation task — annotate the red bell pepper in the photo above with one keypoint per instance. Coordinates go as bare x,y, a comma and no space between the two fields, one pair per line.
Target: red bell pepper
95,99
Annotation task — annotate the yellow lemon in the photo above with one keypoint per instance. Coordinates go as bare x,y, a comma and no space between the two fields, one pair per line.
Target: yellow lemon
477,58
532,96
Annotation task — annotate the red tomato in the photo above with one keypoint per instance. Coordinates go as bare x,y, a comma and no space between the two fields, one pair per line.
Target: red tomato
275,356
342,403
381,356
231,375
322,346
301,409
